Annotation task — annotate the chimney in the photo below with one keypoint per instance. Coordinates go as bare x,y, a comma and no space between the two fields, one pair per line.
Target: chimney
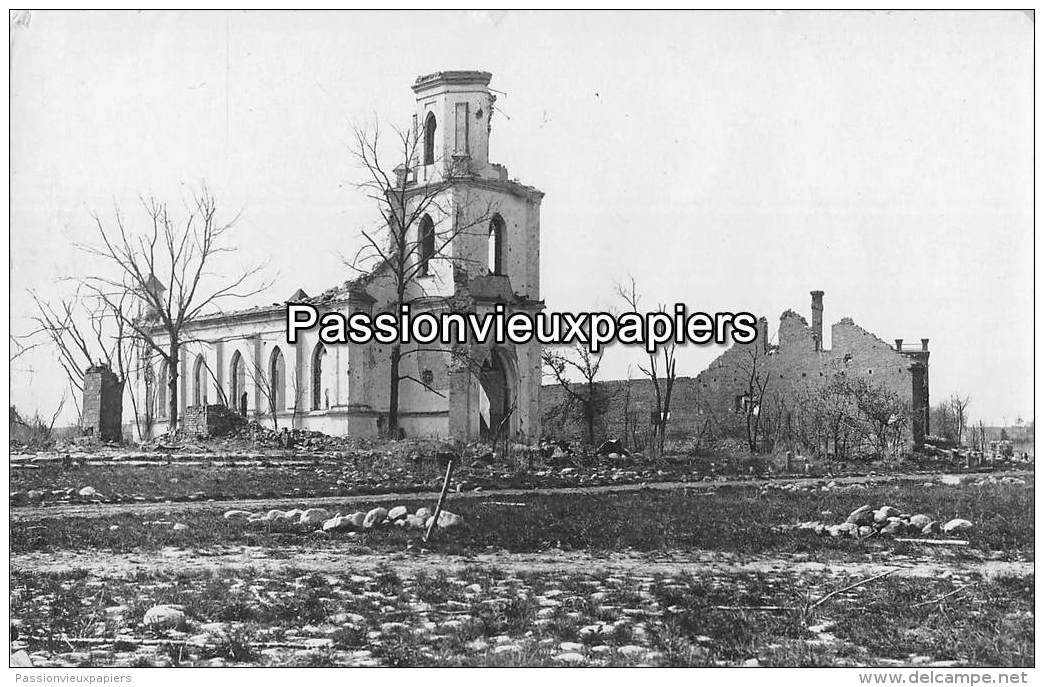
924,345
817,318
899,344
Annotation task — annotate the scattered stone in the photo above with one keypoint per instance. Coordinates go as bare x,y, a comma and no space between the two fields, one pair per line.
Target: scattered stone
180,527
447,520
894,526
883,513
919,521
424,513
313,517
236,514
863,515
931,528
338,523
375,518
398,513
87,492
165,617
570,657
957,526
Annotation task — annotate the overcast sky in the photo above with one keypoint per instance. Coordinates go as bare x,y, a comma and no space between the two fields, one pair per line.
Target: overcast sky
731,161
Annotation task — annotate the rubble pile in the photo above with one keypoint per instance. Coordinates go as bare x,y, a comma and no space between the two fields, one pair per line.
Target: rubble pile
321,520
866,521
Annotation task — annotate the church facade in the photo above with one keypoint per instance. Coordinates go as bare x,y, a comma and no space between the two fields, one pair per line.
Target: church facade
476,245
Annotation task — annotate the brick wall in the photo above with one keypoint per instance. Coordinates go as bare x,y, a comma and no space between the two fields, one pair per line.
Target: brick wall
103,404
792,372
210,420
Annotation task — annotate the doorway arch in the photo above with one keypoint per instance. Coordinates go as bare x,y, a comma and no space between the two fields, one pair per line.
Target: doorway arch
498,395
237,384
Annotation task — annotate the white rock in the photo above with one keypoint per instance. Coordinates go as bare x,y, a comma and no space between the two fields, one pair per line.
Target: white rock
957,526
338,523
236,514
164,617
884,512
398,513
275,514
570,657
180,527
505,648
571,646
375,518
631,650
931,528
357,519
423,513
919,521
314,516
88,492
447,520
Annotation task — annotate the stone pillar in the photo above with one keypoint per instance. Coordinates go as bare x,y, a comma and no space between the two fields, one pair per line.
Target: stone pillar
899,345
817,319
103,404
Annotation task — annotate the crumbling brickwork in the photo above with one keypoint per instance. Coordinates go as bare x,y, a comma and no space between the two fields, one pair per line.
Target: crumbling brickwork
103,404
786,375
210,420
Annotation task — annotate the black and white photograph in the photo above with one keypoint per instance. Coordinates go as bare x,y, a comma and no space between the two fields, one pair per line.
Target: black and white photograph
528,338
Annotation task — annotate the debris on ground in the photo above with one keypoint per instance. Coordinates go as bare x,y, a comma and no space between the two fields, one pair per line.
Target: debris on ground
320,519
886,520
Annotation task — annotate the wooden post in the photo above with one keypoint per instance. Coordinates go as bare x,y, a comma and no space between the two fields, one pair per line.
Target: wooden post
442,499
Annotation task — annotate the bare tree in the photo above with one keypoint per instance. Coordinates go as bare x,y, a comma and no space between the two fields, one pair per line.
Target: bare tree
86,330
170,265
754,367
881,417
630,419
959,408
268,385
404,246
586,396
662,374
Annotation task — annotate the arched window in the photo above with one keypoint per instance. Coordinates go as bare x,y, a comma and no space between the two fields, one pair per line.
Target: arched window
277,380
429,139
237,384
319,394
199,382
162,382
496,245
426,247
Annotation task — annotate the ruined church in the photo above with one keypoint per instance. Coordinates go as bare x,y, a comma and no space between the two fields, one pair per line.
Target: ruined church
242,361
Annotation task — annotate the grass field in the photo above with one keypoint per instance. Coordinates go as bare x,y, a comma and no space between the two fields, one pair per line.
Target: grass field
737,519
482,616
612,586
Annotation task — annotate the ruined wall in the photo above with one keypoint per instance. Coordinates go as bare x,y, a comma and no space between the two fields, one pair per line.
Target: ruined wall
791,371
210,420
103,404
